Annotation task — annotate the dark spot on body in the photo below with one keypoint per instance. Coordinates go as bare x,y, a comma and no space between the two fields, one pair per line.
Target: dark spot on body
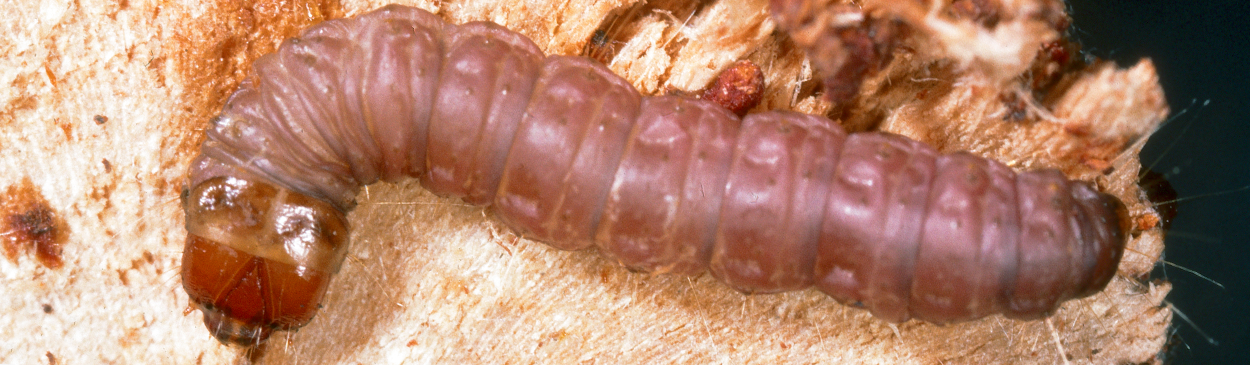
100,119
47,308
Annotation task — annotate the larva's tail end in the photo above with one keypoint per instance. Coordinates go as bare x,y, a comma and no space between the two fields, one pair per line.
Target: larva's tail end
1118,239
1111,238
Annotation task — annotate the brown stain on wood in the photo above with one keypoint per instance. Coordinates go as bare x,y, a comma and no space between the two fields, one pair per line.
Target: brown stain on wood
28,224
215,51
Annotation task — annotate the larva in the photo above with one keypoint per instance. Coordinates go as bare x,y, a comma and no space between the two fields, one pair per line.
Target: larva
570,154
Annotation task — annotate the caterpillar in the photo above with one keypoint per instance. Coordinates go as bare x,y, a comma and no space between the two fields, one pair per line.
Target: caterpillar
567,153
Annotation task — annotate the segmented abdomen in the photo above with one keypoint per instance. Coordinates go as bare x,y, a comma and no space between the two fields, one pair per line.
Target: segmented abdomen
570,154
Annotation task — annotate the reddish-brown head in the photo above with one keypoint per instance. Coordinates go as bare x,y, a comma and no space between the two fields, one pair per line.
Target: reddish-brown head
258,258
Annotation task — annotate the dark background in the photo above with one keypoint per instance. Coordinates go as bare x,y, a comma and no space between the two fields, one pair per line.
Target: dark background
1202,52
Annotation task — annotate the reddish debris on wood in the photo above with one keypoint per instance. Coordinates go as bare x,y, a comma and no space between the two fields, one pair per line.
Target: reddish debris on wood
844,45
739,88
